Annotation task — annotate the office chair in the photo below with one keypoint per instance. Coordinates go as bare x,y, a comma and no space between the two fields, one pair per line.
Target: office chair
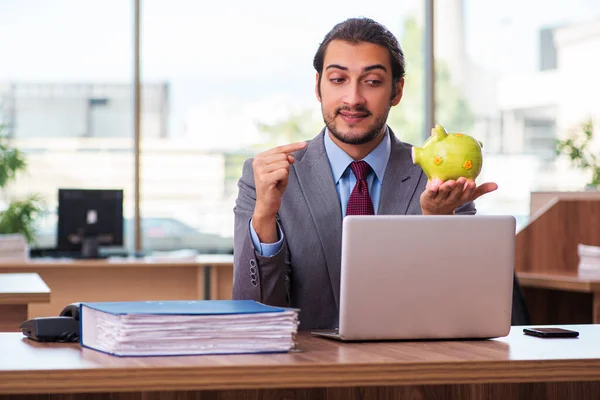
520,313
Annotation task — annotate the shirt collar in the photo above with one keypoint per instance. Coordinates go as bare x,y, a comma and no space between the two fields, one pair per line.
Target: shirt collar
339,159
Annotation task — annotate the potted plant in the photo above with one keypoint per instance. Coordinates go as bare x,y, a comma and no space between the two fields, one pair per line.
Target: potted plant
579,149
17,215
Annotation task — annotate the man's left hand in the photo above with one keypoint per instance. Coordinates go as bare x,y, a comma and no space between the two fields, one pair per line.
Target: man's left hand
442,198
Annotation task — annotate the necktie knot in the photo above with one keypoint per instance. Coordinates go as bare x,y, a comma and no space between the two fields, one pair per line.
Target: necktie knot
360,169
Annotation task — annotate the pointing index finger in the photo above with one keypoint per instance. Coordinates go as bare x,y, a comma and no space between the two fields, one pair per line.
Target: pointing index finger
287,148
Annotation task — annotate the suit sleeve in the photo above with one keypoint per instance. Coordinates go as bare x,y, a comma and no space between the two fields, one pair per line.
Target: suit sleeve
466,209
255,277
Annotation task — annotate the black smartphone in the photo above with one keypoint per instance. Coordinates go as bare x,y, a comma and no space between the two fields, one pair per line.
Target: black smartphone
551,332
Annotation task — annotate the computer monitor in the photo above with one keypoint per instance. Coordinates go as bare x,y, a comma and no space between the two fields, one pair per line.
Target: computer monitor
88,219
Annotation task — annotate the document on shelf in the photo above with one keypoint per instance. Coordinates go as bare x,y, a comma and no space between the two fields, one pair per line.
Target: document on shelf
589,260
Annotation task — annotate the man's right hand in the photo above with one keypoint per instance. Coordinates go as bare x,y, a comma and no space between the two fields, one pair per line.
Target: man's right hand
271,170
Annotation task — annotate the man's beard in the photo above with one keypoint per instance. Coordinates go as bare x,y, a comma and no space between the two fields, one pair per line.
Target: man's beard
373,131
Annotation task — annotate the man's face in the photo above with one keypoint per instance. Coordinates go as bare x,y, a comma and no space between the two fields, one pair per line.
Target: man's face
356,91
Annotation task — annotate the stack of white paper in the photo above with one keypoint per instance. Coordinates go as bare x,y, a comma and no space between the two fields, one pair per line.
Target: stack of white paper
589,260
187,328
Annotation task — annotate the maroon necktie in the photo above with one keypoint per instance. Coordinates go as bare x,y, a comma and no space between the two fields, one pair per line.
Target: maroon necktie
360,202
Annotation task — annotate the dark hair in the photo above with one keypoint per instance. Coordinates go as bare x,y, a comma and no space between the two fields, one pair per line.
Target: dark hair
357,30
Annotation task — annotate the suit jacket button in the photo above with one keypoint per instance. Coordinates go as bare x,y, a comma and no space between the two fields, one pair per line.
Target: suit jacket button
254,282
252,262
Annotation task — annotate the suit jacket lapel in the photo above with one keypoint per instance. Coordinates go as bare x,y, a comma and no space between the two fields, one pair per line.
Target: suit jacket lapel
400,179
317,185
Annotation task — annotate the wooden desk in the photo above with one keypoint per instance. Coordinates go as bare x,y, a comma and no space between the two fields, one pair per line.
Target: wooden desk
127,279
17,293
561,299
517,366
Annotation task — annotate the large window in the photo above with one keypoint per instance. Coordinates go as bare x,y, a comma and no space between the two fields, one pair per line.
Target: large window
66,99
221,81
523,73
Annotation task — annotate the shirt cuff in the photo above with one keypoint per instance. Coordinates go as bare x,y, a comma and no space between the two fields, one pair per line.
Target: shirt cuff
266,249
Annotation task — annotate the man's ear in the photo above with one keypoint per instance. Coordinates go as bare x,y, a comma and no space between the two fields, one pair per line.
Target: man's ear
399,91
317,91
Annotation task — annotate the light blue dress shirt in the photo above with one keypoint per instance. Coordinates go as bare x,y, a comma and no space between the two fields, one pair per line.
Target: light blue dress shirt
344,183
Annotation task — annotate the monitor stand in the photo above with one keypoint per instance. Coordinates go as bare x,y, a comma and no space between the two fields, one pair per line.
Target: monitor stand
90,247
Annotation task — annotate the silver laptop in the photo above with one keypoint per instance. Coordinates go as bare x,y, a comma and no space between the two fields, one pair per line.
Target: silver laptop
425,277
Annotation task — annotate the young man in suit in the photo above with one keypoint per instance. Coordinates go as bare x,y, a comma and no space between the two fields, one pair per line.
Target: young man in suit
292,198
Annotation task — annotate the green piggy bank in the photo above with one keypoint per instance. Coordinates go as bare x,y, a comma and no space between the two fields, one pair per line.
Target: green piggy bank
448,156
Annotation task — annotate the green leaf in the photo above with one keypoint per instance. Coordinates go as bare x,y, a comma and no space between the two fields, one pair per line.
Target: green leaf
577,147
12,161
20,216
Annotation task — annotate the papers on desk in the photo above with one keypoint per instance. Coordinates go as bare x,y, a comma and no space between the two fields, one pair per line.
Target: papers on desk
156,328
173,256
589,260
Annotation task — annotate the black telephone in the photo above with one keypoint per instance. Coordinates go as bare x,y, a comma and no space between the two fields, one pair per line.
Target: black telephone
64,328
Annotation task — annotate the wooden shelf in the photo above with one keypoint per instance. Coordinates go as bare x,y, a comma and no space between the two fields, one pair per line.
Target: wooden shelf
572,283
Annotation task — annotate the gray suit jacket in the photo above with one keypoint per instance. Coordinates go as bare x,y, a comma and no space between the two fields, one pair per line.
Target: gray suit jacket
306,272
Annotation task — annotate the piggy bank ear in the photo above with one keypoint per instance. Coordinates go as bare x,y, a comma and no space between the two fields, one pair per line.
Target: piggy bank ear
438,132
480,144
435,130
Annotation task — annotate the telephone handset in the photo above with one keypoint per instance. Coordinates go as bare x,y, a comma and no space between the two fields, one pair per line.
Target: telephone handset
64,328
